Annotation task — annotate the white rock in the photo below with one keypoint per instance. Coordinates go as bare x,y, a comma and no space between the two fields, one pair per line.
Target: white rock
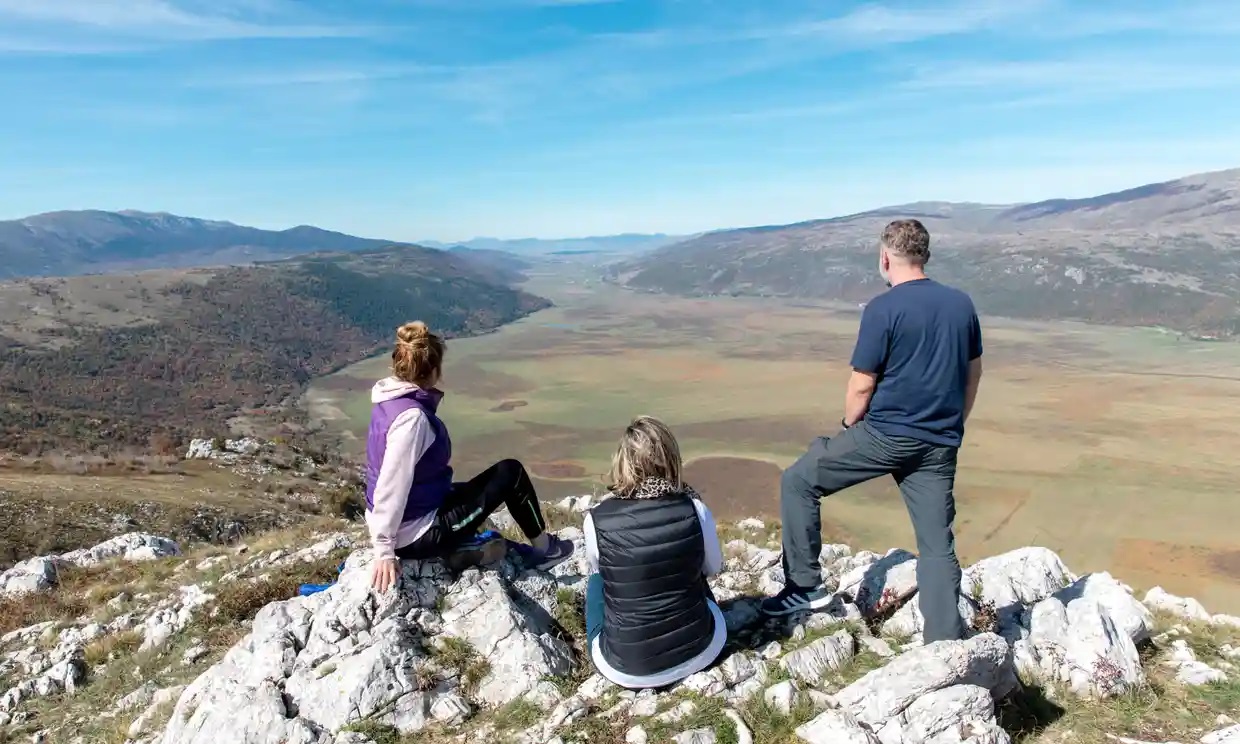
635,735
193,654
1227,621
908,620
243,446
751,525
159,700
679,712
824,655
883,583
877,646
576,504
772,651
595,687
520,652
312,664
200,449
743,734
134,546
709,682
696,736
1130,616
1229,735
33,575
984,661
1078,644
939,712
1022,576
139,697
836,727
206,564
1184,607
172,616
1188,669
781,696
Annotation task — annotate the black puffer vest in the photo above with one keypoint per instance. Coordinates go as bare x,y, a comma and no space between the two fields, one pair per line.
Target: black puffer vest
655,613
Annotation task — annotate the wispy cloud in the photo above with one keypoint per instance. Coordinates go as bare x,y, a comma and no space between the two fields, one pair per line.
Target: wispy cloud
887,24
164,20
1105,75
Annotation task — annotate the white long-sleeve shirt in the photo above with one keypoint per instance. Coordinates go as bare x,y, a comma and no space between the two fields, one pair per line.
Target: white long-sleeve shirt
408,437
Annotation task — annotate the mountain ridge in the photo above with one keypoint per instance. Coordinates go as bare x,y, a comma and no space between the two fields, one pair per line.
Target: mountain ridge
1159,254
74,242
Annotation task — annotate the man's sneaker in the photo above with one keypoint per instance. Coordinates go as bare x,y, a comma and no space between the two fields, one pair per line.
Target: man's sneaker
794,599
556,553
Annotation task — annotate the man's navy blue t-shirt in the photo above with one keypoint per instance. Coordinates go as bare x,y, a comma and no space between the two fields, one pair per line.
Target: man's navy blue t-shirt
919,338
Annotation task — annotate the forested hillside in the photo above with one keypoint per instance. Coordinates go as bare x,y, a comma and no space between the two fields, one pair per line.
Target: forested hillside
212,346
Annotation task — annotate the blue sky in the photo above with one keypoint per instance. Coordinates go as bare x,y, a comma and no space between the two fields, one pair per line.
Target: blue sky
447,119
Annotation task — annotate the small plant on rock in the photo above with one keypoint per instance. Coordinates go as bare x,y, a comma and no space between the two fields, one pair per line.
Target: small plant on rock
570,612
459,656
986,619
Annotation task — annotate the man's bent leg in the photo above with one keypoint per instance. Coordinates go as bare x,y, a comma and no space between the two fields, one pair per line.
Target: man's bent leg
853,456
928,494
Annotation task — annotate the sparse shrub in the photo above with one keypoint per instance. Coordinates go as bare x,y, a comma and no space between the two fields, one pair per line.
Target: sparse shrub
241,600
462,658
218,443
346,501
102,650
164,444
37,607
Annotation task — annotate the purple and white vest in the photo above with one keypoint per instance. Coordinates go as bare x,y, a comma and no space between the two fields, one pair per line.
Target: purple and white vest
432,476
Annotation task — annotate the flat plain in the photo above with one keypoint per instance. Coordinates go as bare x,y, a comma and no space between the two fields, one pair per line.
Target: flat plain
1113,446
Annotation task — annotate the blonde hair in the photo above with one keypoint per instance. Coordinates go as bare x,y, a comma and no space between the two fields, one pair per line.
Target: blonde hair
647,450
418,356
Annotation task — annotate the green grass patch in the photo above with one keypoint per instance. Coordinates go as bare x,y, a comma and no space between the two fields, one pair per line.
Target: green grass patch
379,733
773,726
518,715
570,612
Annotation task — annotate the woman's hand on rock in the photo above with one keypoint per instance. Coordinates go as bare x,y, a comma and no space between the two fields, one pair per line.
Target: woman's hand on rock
383,574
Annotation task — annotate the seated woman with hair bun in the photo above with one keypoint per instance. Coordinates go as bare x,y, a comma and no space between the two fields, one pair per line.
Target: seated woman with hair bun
413,508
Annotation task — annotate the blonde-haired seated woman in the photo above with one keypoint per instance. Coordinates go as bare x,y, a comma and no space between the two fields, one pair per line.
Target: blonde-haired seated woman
413,507
651,620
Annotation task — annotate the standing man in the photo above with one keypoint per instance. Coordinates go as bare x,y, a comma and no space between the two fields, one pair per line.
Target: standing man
916,368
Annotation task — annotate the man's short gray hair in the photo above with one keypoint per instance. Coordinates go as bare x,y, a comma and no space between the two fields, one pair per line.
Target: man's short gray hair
908,239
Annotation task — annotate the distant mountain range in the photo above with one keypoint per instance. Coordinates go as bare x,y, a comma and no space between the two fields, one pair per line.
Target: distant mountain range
71,243
1162,254
92,241
631,243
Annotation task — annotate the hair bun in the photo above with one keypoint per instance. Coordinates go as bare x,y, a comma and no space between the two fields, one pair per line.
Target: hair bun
413,332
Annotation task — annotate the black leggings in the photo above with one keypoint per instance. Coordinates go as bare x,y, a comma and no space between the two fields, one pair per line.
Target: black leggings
470,503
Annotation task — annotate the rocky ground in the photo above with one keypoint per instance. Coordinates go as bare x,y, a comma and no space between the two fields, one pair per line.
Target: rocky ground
137,641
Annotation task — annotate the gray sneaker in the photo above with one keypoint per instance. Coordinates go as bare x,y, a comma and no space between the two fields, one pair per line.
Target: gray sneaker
557,552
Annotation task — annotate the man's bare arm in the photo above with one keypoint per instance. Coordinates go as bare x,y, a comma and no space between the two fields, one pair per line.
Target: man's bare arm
857,400
970,390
